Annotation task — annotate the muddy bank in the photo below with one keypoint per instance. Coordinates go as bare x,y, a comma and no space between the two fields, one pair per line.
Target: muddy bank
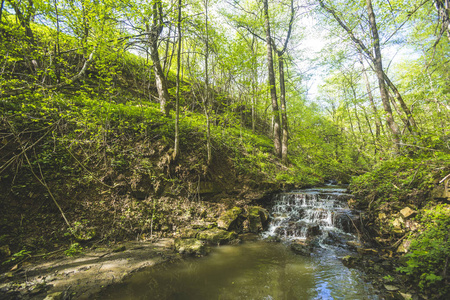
84,275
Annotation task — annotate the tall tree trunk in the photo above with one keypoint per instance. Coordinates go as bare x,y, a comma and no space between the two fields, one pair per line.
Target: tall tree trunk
206,96
380,75
161,84
284,121
1,10
25,18
410,121
374,107
273,91
176,151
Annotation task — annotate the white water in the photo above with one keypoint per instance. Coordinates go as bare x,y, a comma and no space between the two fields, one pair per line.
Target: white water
308,213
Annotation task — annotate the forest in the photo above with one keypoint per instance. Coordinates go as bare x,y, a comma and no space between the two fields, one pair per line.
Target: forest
138,120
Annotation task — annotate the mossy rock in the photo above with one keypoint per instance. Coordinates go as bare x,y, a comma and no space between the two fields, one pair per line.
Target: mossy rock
217,236
257,219
191,247
232,220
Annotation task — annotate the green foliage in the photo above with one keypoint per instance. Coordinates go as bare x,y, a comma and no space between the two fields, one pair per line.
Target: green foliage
74,249
18,256
427,262
401,179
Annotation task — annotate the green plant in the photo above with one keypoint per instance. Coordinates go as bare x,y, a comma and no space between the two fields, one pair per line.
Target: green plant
427,263
74,249
18,256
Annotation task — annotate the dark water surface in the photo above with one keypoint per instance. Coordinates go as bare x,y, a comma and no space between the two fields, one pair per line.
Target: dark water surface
253,270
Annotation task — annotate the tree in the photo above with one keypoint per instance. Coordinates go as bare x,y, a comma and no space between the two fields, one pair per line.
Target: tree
176,151
154,32
272,84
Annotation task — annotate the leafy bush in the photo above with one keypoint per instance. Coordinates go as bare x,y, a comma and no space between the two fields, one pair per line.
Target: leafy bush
74,249
427,263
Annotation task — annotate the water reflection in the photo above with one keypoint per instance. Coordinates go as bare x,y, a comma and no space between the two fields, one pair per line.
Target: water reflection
258,270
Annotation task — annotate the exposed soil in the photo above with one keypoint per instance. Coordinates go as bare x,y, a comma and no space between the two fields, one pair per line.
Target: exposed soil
86,274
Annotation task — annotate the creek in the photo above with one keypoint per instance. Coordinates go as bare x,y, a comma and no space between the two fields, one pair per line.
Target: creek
265,269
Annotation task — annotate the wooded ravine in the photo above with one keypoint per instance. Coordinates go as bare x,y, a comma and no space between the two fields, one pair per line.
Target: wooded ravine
152,120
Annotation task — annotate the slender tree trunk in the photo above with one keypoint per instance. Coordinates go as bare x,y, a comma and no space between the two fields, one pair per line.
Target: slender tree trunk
380,75
411,122
206,96
273,91
254,84
161,84
374,107
25,18
1,10
176,151
284,121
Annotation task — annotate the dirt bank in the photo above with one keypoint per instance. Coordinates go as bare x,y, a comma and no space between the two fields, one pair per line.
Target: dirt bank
84,275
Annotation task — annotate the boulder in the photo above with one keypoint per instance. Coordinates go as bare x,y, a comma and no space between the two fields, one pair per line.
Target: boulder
216,236
257,219
190,247
187,233
349,261
407,212
302,248
313,231
231,220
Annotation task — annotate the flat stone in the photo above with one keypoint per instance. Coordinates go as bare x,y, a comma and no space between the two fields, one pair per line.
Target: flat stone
190,247
406,296
390,287
408,212
367,251
398,223
217,236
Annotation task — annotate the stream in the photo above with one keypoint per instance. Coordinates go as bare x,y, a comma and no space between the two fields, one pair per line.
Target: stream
263,269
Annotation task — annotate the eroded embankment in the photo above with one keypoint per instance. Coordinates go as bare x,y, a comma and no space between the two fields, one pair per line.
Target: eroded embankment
82,276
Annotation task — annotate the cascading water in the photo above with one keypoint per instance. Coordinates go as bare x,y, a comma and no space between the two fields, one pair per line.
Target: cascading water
319,212
262,269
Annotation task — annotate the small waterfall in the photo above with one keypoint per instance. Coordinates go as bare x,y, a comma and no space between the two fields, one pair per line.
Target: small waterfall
303,214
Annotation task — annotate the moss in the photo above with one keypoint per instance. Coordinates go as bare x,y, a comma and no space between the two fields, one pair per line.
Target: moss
217,236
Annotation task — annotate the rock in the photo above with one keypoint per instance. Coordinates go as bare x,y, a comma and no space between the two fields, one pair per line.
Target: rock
397,224
231,220
302,248
187,233
354,244
404,246
367,251
190,247
216,236
390,287
349,261
257,219
313,231
408,212
54,296
406,296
